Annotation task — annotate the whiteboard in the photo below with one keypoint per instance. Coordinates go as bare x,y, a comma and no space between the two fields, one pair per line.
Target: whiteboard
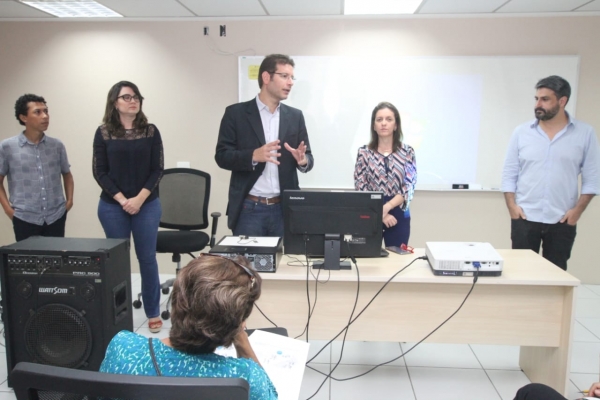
458,113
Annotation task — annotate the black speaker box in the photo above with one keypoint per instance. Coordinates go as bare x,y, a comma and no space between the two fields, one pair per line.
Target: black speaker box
64,299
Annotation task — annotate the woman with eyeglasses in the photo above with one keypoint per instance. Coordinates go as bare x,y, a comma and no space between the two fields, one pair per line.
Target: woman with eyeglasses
128,164
211,300
388,165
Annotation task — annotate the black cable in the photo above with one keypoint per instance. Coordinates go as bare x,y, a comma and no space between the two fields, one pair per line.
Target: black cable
349,322
310,309
36,299
294,262
366,306
294,259
475,277
318,273
2,334
263,314
307,288
353,307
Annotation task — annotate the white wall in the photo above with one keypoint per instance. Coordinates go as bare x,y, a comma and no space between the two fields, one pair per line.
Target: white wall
187,86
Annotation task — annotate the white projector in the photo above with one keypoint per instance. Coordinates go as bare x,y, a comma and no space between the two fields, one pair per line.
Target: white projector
463,258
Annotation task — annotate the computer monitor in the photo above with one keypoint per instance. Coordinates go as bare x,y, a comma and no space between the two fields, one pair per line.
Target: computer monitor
332,224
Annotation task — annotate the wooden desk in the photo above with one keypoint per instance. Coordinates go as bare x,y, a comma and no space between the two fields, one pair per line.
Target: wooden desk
531,305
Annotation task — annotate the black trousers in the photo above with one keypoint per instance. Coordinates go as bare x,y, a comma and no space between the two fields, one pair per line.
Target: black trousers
556,239
537,391
23,229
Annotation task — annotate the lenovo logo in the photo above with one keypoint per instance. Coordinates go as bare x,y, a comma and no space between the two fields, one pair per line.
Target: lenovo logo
296,198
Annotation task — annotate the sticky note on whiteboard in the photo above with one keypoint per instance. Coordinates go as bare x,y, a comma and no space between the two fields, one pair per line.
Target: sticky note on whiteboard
253,72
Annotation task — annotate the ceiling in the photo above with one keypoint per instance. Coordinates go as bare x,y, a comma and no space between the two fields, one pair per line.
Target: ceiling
190,9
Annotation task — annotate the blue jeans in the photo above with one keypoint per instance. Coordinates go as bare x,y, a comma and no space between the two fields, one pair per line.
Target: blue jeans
118,224
257,219
399,233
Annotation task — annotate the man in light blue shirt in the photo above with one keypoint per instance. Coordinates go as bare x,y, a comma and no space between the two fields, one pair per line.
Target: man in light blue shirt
540,178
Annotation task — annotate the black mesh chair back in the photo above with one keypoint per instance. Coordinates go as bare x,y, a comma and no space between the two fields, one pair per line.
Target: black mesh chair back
44,382
184,194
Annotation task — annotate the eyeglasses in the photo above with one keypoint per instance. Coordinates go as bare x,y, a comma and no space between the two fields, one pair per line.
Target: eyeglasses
285,76
128,98
246,269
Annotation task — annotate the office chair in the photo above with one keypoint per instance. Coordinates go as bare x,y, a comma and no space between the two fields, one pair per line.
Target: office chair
45,382
184,195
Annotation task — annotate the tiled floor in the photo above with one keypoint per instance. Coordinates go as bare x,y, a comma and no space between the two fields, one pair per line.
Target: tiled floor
430,371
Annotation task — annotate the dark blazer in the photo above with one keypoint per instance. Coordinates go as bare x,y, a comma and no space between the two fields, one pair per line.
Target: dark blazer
241,132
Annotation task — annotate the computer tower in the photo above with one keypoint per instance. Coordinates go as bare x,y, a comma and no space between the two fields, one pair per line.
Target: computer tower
261,257
63,299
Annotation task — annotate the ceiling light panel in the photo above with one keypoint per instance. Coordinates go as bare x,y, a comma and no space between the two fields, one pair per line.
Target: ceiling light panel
372,7
73,9
148,8
304,7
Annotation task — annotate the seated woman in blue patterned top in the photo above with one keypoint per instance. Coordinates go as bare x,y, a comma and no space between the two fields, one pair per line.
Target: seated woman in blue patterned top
211,300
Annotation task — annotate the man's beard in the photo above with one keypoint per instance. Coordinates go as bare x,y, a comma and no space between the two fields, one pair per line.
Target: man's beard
545,115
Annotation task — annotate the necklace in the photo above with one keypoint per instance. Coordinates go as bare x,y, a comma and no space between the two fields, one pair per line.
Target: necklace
385,153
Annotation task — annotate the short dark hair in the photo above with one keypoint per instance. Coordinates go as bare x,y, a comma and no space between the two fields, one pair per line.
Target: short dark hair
211,298
111,118
22,107
558,85
397,136
270,63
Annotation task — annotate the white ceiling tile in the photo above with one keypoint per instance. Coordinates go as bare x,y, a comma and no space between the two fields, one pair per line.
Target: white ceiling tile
147,8
593,6
224,8
540,6
459,6
13,9
251,8
304,7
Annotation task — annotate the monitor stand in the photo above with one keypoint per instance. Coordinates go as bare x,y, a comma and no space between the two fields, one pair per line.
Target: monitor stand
331,260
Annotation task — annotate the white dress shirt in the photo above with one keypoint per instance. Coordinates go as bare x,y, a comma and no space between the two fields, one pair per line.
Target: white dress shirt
267,184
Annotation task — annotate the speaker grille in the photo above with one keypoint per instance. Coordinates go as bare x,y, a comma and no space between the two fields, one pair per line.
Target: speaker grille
58,335
48,395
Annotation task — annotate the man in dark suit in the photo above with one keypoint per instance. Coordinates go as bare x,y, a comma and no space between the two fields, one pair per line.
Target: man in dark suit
250,146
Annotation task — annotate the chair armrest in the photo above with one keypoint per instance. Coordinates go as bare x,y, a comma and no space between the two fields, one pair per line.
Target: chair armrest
213,233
